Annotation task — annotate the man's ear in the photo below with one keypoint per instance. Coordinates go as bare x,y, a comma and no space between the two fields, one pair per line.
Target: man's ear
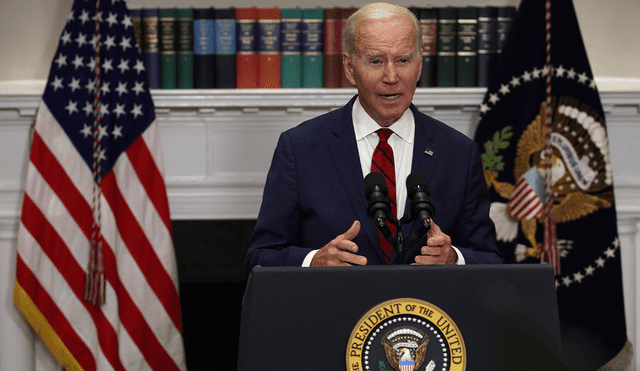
348,67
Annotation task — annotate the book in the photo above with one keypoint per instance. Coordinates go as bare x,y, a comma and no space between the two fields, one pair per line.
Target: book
428,18
269,57
291,44
332,47
167,35
312,47
487,42
247,49
184,48
446,61
505,18
345,14
203,48
225,48
136,18
467,46
151,51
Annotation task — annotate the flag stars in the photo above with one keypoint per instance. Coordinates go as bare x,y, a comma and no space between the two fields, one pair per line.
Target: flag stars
71,107
117,132
86,131
493,98
75,84
122,88
571,74
560,71
577,277
514,81
125,43
61,60
110,42
78,62
600,262
119,110
126,22
112,19
583,78
137,110
610,253
84,17
56,83
123,66
526,76
66,37
504,89
88,108
107,65
138,88
139,67
81,39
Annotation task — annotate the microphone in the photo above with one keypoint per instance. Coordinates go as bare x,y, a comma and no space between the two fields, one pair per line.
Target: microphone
377,194
422,207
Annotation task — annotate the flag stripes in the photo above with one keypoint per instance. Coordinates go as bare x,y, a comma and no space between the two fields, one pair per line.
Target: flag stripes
55,233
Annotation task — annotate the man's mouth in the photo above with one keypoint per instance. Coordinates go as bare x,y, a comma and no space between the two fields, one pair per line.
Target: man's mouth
390,97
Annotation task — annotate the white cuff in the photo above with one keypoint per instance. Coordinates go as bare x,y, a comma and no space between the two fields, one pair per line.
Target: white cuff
307,260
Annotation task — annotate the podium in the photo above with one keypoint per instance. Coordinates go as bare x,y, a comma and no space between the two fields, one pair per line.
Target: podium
312,318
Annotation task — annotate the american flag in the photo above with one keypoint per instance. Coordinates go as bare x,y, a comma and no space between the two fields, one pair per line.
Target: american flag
95,187
528,196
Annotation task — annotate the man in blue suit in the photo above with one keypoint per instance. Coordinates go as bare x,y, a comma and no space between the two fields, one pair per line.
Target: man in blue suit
314,210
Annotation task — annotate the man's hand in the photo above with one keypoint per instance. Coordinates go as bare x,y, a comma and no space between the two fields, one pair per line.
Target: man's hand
438,249
341,251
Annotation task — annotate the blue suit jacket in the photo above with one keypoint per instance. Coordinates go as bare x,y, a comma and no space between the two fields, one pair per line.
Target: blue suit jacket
315,191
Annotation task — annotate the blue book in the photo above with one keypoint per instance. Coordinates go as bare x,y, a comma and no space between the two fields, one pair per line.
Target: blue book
151,49
204,48
487,42
225,48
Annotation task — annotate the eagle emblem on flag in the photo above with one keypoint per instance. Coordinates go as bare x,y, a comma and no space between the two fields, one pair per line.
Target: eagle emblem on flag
579,174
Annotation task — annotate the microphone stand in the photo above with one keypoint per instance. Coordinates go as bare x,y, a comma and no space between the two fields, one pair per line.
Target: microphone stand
397,241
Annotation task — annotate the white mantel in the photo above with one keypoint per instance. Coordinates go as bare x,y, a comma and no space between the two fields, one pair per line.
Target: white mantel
217,147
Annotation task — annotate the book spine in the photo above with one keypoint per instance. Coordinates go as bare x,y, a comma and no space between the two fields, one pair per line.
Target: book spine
332,48
290,31
505,18
225,64
246,56
168,50
345,14
487,42
203,48
446,62
151,52
467,47
269,61
429,26
136,18
184,39
312,47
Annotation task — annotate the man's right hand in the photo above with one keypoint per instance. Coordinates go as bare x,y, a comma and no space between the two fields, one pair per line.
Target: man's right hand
341,251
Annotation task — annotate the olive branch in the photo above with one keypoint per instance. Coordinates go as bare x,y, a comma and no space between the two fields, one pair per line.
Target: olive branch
490,158
382,366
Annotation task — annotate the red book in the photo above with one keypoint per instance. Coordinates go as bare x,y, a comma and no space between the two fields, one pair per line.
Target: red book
332,47
269,54
247,54
346,13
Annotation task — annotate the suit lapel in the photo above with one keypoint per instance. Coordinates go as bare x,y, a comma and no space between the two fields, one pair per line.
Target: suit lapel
425,155
344,153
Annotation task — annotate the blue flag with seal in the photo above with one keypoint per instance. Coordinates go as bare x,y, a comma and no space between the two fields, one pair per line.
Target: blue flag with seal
546,159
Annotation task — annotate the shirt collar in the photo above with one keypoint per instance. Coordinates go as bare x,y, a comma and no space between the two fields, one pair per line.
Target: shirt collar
364,125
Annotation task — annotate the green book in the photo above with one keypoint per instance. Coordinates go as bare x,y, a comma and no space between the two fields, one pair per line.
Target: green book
446,62
467,47
312,47
184,48
291,44
167,31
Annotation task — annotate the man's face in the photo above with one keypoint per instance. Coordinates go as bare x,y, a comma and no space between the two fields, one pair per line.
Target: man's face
386,69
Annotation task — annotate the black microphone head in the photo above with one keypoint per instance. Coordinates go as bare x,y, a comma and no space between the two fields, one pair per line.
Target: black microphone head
374,181
417,181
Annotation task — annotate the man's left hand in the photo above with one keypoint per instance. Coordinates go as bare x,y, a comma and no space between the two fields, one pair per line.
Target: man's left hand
438,249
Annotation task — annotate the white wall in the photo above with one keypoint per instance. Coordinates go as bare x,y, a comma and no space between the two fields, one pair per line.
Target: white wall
30,30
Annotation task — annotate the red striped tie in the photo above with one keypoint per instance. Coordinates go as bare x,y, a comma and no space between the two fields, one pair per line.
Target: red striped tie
382,162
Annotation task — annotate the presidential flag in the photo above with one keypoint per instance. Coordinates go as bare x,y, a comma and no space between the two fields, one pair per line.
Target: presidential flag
543,135
96,275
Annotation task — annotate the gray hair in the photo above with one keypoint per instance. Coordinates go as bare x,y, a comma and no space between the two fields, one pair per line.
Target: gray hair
376,11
